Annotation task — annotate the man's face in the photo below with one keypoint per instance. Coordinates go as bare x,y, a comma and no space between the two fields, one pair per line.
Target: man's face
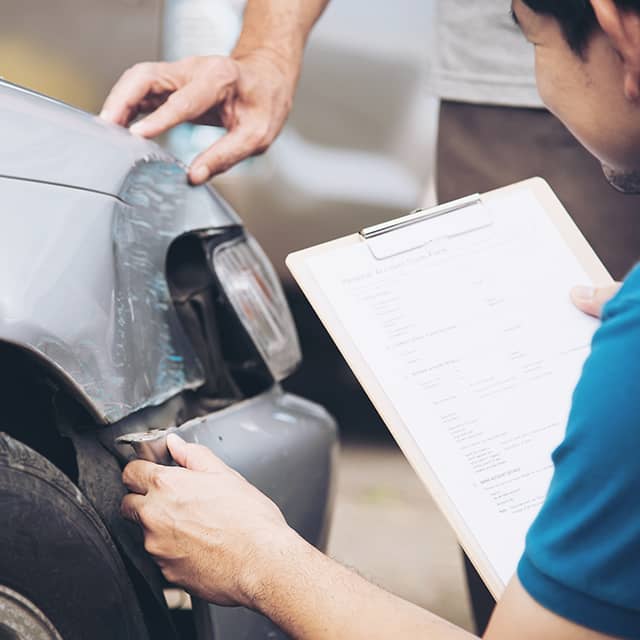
587,93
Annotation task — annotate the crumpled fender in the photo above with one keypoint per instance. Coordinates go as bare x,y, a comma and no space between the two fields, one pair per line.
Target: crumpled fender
83,283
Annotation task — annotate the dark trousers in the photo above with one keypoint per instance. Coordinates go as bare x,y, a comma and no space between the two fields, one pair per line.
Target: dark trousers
481,148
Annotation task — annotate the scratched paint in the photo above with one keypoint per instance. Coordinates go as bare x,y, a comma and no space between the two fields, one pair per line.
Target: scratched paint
84,283
151,353
86,225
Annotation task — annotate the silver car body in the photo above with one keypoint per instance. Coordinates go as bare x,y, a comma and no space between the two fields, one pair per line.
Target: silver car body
89,213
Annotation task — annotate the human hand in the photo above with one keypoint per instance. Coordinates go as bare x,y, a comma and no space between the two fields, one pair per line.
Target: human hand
250,95
208,529
591,300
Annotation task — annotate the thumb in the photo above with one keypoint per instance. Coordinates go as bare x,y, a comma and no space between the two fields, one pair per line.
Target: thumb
591,300
192,456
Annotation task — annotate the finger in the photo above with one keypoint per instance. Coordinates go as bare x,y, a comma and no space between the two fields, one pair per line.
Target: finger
138,476
131,507
591,300
192,456
129,91
235,146
182,106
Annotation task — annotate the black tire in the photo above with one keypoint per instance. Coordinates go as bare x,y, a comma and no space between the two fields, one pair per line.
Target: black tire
56,553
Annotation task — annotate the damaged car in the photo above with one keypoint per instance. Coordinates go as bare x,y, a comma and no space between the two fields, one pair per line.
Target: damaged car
131,305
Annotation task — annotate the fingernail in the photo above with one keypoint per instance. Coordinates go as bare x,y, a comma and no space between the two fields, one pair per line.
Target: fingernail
104,114
174,438
584,293
137,129
175,443
199,174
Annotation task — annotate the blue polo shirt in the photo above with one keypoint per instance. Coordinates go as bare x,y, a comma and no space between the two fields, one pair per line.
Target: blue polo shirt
582,555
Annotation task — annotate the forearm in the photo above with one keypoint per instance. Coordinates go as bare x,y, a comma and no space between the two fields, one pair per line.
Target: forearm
313,598
279,26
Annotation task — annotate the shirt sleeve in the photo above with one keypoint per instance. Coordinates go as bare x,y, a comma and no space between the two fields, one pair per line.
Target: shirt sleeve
582,554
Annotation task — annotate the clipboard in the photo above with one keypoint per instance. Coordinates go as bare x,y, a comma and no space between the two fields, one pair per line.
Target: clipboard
377,239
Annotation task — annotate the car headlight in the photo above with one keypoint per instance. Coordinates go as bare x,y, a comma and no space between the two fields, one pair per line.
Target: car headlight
254,291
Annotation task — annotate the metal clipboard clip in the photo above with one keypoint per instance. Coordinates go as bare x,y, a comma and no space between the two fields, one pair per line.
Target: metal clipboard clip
407,234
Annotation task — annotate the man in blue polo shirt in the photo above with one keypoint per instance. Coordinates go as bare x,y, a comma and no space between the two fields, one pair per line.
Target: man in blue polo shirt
579,576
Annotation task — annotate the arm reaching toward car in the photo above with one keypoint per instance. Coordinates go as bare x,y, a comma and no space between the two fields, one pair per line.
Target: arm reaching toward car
212,532
224,541
250,92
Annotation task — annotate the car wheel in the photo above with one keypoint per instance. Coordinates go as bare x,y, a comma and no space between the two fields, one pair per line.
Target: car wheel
61,577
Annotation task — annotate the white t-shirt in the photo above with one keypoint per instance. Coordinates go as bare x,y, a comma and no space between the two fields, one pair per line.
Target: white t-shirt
481,56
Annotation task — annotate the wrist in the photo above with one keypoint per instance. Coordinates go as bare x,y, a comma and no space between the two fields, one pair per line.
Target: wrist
287,58
271,568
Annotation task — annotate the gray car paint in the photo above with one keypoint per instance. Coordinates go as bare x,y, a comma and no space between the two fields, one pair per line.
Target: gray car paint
46,140
105,248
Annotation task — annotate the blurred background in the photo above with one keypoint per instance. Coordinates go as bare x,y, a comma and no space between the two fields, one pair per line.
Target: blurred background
358,149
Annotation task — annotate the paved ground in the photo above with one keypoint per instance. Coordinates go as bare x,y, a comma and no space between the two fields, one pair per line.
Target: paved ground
387,527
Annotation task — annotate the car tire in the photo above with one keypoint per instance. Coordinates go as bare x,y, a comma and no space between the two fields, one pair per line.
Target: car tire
61,577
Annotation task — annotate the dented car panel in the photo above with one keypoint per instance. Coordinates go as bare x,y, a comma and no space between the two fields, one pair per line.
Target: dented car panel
125,348
92,212
107,277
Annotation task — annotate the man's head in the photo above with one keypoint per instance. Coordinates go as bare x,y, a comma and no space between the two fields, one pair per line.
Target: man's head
588,72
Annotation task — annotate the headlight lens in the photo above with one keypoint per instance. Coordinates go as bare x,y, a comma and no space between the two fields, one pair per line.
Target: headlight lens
252,286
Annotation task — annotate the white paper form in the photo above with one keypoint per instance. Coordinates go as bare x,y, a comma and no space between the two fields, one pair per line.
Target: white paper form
475,341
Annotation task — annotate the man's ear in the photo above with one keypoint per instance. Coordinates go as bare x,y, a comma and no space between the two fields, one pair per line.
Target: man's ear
623,29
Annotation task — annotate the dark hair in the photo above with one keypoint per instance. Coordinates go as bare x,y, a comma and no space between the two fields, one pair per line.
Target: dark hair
576,17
